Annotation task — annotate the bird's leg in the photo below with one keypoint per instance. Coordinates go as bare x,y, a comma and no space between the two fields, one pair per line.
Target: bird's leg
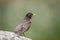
23,34
20,33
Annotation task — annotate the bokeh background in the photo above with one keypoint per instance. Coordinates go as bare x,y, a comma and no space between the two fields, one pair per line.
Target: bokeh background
46,23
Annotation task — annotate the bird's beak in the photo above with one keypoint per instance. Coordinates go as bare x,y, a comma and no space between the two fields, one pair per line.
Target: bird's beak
34,14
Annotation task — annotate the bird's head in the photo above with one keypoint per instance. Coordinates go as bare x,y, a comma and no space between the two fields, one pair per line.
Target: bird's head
29,15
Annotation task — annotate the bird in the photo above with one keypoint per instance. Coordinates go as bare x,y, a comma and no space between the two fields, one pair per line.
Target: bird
24,25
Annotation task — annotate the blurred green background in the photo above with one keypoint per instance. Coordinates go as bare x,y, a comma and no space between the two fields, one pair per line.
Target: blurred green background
46,23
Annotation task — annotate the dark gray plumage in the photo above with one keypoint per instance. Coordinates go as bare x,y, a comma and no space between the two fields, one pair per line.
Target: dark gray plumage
24,25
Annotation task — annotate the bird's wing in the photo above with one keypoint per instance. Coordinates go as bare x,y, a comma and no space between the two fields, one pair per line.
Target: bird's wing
23,26
18,28
26,26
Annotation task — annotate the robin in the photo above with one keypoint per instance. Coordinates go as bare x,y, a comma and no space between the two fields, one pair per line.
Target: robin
24,25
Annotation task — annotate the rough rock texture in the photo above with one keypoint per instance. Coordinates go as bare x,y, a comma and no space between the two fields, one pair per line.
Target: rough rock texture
5,35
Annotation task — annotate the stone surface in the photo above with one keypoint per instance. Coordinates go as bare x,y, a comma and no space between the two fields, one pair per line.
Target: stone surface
5,35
